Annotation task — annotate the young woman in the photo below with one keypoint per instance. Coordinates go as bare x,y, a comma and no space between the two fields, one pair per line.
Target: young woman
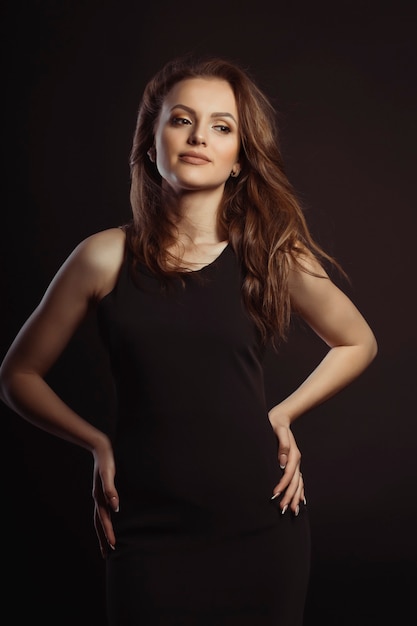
199,498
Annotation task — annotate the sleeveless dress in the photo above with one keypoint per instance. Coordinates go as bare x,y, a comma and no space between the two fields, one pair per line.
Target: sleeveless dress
199,540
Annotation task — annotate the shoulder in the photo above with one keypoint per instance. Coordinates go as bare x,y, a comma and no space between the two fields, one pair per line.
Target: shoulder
307,279
105,245
303,264
96,261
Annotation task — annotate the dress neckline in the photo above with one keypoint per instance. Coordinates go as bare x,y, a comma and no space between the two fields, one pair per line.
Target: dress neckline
187,270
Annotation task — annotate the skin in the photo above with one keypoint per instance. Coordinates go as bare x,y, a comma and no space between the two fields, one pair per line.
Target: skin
195,151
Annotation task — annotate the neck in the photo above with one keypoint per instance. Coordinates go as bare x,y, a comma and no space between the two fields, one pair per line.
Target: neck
196,217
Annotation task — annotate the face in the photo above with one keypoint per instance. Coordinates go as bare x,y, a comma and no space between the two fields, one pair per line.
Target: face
196,135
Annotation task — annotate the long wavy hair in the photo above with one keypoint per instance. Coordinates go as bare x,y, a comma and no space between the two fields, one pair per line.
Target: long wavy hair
260,214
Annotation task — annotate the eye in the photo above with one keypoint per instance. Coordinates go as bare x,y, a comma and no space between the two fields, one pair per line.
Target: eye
180,121
222,128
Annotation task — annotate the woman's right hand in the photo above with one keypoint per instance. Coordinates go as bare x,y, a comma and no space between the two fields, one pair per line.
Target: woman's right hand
87,275
106,498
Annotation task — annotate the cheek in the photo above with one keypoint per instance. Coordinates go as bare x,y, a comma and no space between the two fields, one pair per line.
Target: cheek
163,139
164,149
232,148
231,155
161,145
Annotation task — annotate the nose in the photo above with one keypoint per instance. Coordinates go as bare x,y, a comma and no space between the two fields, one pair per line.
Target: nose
196,136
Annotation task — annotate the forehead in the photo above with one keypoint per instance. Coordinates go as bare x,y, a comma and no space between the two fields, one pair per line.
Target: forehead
202,94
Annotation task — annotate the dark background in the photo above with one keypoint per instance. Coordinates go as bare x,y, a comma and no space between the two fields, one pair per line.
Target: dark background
343,79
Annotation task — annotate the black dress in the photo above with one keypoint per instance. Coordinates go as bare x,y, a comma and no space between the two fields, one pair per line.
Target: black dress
199,541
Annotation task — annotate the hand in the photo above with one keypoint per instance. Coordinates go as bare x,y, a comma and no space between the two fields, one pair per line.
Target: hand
105,497
291,484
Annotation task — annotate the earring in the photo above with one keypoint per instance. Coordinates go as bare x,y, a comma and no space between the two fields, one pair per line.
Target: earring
151,154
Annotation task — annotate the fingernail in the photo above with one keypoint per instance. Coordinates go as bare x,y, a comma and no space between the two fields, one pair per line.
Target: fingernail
297,510
112,546
284,509
282,466
278,493
305,501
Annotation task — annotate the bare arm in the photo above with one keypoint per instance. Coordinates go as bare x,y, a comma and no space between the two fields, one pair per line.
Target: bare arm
83,279
352,347
87,275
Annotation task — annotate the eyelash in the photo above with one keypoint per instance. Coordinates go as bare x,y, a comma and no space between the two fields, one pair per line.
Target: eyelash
183,121
223,128
179,121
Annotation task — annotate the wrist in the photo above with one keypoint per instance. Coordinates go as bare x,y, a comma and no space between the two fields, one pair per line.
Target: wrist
99,442
279,418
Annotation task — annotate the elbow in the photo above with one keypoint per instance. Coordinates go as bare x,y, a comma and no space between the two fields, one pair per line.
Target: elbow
372,348
8,379
4,383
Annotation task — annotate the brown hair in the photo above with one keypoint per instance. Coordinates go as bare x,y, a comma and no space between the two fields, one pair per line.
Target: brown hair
260,214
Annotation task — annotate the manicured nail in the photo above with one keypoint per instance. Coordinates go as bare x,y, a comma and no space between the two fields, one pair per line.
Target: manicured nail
284,509
305,501
278,493
282,466
297,510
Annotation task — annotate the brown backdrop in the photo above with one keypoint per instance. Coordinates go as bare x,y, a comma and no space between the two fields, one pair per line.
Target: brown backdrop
343,79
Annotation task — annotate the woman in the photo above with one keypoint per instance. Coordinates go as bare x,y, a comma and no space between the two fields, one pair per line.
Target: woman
199,498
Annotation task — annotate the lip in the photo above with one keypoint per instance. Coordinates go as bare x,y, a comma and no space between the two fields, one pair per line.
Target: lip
196,158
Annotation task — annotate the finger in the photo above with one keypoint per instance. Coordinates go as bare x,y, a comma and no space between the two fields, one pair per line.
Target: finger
105,491
288,487
293,496
104,519
106,496
303,495
297,498
102,541
289,473
283,459
283,448
113,501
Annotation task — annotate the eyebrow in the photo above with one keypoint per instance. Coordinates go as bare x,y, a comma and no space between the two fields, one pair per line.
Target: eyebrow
215,114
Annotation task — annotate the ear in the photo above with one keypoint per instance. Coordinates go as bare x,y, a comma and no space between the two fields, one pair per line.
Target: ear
152,154
235,170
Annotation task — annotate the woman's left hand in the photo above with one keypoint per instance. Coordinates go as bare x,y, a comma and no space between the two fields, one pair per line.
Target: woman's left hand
291,485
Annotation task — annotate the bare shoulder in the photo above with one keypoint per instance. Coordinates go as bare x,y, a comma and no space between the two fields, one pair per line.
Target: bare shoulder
96,261
310,286
104,246
304,266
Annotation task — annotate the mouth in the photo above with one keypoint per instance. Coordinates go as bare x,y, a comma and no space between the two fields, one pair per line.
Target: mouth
196,158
